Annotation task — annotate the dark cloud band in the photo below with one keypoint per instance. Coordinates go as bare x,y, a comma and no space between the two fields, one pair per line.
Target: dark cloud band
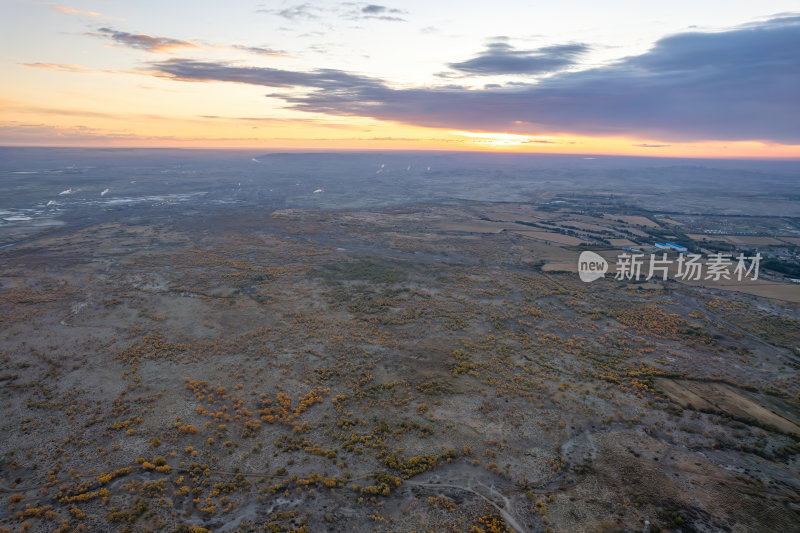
502,58
144,42
741,84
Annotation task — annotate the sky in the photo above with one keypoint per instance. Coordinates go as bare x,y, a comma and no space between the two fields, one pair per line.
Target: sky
679,79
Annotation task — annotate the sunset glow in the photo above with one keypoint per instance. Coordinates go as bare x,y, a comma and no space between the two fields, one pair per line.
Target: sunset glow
627,79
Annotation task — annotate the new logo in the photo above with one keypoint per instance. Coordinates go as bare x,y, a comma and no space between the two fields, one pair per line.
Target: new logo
591,266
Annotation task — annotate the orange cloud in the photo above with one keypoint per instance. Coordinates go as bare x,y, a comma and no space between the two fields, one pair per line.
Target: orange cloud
58,67
71,11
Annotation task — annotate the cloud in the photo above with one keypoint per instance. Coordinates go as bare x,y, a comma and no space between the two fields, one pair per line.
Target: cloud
378,12
301,11
346,10
86,113
17,133
141,41
258,50
14,133
285,121
193,70
76,69
645,145
64,112
740,84
386,18
58,67
501,58
149,43
70,11
373,9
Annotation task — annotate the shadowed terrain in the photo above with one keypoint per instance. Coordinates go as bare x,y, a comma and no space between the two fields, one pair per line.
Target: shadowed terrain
230,341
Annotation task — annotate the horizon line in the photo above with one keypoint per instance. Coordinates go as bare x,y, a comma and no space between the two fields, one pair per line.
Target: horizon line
395,150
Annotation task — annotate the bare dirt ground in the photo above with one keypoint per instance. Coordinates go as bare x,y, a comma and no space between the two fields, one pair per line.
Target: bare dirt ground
723,398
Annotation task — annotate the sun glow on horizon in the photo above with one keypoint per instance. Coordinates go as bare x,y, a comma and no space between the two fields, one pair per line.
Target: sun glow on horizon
503,140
